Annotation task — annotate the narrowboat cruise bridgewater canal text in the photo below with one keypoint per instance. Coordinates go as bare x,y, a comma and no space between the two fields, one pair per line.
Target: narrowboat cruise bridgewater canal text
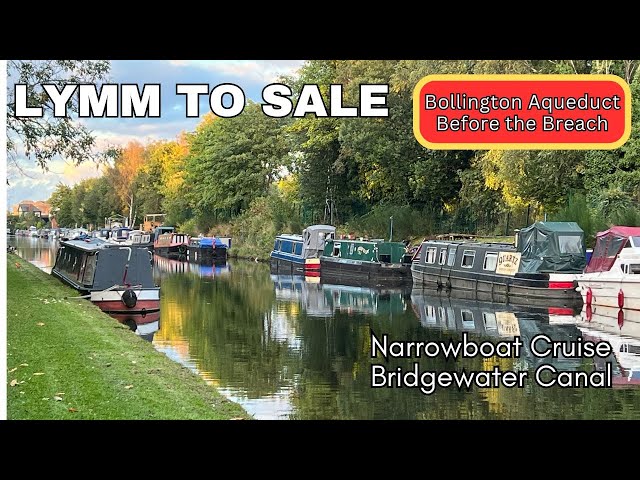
367,262
117,278
541,269
300,253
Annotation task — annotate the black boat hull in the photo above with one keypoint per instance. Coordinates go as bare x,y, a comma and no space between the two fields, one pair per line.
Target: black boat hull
494,288
206,255
370,273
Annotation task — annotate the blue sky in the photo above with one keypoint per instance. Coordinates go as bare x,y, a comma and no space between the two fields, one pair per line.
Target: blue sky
251,75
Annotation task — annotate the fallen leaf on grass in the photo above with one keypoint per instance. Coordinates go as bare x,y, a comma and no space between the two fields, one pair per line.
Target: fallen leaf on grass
237,418
61,393
23,365
128,387
13,370
14,382
57,398
40,324
38,373
73,409
45,398
134,362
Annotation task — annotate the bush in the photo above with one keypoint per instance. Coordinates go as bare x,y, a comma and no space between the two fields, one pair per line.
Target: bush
189,227
407,222
255,229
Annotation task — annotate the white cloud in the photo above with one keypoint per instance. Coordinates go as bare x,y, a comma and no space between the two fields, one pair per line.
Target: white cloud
259,71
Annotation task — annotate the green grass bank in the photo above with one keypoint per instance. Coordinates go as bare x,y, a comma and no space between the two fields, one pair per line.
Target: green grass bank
68,360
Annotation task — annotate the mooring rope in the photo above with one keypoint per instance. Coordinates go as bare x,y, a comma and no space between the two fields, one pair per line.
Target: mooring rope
104,291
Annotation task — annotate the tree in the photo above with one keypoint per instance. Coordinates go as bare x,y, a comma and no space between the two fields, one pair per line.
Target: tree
61,202
48,137
233,161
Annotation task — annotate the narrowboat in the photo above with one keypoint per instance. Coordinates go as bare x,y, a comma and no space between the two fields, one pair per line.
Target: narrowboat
208,249
300,253
318,299
117,278
612,277
365,262
137,238
171,245
541,269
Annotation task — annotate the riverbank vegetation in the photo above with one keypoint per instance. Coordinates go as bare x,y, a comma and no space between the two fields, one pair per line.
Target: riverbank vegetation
252,176
68,360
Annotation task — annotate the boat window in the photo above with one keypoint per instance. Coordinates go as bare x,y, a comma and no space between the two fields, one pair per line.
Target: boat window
489,320
467,258
298,249
430,311
276,246
570,244
431,255
336,249
451,318
89,269
467,319
636,241
634,268
443,256
490,261
452,257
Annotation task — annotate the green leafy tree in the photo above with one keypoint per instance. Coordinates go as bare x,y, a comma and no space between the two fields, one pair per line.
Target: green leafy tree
47,137
233,161
61,202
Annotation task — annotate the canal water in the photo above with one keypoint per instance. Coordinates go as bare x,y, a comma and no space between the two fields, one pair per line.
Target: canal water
287,347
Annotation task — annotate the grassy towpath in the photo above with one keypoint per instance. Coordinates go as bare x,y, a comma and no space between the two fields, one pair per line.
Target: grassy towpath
68,360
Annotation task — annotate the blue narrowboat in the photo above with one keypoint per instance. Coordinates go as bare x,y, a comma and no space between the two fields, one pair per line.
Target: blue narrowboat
301,253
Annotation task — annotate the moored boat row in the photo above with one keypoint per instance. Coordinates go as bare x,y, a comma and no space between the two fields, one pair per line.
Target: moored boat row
545,266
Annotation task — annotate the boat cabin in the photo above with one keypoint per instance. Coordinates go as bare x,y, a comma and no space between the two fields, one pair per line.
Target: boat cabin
616,243
376,250
94,264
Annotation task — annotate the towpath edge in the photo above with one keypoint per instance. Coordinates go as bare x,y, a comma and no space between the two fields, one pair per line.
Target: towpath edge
68,360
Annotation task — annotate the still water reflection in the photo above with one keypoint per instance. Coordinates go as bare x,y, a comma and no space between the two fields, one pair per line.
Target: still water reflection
285,347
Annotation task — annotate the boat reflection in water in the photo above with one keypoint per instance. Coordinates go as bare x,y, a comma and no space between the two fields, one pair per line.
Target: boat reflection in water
621,328
319,299
166,266
486,319
145,327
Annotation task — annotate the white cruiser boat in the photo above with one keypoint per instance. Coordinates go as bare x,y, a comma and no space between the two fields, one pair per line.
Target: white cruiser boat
612,277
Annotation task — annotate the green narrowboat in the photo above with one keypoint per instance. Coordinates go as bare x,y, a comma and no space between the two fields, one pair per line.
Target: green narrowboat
365,262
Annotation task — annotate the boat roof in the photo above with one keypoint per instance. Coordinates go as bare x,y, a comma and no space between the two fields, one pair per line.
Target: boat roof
88,245
621,231
558,227
92,244
290,236
472,244
312,228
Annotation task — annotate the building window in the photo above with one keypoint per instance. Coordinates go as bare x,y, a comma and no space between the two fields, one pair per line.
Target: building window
431,255
443,256
467,258
490,261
